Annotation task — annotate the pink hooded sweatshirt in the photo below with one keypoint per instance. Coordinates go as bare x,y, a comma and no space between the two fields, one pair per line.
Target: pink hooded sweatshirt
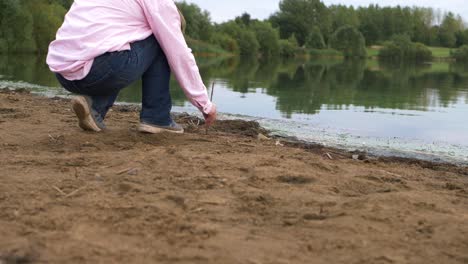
92,28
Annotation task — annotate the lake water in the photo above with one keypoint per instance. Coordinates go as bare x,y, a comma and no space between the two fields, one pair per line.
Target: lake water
405,110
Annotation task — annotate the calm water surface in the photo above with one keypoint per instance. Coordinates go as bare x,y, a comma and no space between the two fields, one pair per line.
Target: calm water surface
407,110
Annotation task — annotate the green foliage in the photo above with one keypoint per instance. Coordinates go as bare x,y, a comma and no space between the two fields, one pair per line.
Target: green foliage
268,38
29,26
350,41
422,24
8,9
298,17
315,39
199,24
226,42
15,27
343,16
462,38
420,52
461,54
24,40
245,37
378,24
371,24
288,47
248,43
447,39
434,39
403,49
244,19
65,3
47,19
204,48
448,30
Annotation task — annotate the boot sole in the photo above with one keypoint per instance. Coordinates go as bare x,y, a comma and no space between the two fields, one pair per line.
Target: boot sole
147,129
81,108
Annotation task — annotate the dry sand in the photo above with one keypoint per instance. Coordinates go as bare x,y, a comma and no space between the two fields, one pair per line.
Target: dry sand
68,196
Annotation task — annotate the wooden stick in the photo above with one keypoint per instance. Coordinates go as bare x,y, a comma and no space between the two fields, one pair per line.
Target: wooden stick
59,190
124,171
75,191
211,99
212,91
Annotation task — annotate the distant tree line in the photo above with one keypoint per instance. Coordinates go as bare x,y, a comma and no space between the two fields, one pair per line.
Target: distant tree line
297,27
377,24
301,25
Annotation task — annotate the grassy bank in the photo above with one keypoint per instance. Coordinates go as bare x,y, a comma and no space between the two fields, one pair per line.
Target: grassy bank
373,51
439,53
205,49
325,53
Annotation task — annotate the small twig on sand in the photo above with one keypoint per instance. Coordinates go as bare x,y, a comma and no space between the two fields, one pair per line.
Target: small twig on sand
211,99
391,173
70,194
75,191
329,155
59,190
124,171
197,210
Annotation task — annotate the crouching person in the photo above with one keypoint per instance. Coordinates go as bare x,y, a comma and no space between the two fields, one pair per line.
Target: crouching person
104,46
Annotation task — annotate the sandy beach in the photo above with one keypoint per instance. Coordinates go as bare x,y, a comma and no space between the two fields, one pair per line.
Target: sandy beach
68,196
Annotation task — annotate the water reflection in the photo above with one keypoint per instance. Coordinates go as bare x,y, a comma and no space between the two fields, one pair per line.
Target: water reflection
301,87
306,87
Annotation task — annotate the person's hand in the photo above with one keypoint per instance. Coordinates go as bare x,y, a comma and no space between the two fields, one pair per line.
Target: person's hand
210,118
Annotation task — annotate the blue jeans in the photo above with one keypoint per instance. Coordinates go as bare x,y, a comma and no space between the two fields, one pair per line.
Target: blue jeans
113,71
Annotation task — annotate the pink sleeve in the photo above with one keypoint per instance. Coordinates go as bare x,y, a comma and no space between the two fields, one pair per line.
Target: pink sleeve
164,20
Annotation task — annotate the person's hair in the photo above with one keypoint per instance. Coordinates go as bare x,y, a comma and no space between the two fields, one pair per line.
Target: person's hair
183,23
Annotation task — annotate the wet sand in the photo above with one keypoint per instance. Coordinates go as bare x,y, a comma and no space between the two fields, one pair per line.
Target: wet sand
68,196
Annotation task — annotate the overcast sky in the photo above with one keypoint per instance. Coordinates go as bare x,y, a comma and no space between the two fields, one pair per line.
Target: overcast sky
222,10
